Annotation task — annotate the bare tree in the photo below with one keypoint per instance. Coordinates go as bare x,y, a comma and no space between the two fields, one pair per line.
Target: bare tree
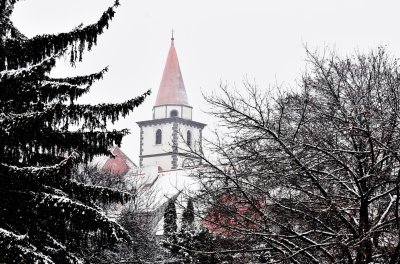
310,175
136,217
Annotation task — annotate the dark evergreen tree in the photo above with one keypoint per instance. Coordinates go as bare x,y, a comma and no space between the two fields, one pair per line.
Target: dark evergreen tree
170,226
193,244
44,214
188,215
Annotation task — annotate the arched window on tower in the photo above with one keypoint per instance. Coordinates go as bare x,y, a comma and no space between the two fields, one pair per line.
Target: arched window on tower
173,113
189,138
158,136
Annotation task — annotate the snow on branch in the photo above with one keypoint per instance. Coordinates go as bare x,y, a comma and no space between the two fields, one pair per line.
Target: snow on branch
31,72
19,53
37,175
12,245
80,80
91,193
81,216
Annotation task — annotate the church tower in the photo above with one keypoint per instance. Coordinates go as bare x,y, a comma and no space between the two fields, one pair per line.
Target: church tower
164,138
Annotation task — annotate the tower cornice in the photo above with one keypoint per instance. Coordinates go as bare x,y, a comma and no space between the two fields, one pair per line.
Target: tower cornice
171,120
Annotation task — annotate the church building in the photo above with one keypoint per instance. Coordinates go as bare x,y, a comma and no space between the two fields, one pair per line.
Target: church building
165,139
165,167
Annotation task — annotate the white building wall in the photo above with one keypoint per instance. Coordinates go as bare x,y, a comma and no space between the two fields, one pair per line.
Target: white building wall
187,112
165,162
149,146
159,112
164,111
196,136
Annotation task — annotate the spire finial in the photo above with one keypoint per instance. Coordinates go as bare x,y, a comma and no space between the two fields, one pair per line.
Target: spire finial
172,35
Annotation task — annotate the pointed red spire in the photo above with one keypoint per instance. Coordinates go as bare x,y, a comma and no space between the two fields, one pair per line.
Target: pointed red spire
172,89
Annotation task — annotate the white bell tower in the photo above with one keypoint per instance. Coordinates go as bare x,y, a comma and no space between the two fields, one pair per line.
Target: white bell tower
164,138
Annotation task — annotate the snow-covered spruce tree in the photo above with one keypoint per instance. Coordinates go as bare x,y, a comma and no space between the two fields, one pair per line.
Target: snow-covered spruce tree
188,215
44,214
170,227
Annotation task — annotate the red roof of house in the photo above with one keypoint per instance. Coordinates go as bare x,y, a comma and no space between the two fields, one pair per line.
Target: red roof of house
118,165
172,89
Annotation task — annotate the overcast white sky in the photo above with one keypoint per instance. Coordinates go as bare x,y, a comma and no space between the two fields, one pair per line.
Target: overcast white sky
216,40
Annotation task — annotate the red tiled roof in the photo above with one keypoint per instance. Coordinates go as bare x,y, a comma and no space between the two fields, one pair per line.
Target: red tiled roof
118,165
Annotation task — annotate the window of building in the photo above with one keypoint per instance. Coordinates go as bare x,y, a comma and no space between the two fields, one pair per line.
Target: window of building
189,138
158,136
173,113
